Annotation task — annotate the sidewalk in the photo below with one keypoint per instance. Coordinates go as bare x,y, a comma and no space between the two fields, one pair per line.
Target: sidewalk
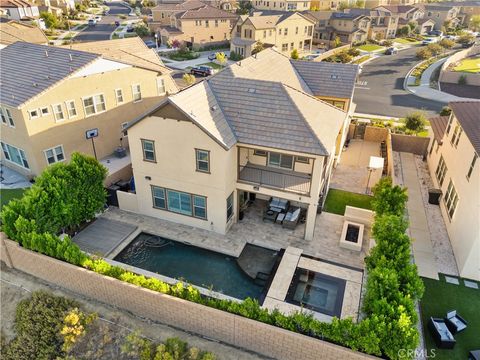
202,59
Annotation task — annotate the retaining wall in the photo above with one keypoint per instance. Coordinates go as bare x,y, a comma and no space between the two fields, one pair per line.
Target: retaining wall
449,76
412,144
232,329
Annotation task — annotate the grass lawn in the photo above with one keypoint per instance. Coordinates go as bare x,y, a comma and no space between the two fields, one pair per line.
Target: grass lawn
370,47
405,41
361,60
213,65
8,194
337,200
441,297
469,66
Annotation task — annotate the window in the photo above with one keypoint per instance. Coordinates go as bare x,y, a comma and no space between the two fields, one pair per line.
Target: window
2,115
279,31
449,125
44,111
284,47
456,135
119,96
451,199
472,166
34,114
71,109
158,195
161,86
300,45
285,32
216,23
124,129
441,170
55,154
264,34
203,160
431,148
58,112
280,160
15,155
260,152
296,30
137,92
339,104
302,159
291,46
230,207
148,147
94,104
179,202
206,23
9,118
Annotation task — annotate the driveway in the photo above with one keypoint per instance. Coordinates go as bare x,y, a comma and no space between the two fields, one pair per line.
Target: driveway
380,88
104,28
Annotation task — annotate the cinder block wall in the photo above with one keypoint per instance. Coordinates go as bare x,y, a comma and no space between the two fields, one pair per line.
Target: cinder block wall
411,144
232,329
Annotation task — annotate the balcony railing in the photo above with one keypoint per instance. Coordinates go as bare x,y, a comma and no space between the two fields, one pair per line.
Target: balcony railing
281,179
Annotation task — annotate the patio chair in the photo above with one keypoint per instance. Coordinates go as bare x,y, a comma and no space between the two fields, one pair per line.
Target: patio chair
455,322
441,334
291,218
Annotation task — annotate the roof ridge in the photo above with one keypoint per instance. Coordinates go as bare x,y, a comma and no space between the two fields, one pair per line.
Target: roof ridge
232,129
314,97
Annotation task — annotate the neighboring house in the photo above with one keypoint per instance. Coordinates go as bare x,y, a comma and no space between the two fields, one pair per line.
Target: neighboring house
455,169
424,26
442,15
383,24
19,9
206,150
409,14
370,4
404,2
467,8
51,96
286,31
194,23
281,5
62,6
13,31
349,28
319,5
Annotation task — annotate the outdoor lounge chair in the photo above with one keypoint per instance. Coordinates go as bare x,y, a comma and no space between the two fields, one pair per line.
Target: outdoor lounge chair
291,218
455,322
278,205
441,334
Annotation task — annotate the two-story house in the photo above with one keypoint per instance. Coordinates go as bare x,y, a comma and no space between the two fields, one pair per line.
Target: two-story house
448,16
409,14
19,9
55,101
383,24
281,5
198,27
253,130
13,31
286,31
349,28
455,169
162,13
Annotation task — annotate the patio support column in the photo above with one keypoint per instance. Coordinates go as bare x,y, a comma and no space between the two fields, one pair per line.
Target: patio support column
310,222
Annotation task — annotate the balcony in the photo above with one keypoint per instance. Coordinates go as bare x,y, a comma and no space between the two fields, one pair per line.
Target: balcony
285,180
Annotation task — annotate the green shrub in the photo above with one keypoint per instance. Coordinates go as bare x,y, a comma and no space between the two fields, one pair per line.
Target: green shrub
424,53
235,57
294,54
446,111
435,49
415,122
353,52
462,80
388,199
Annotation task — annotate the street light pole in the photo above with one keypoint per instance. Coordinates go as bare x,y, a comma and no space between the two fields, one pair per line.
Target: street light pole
156,41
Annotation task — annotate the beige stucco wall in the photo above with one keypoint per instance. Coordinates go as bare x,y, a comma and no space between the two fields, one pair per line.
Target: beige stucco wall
464,228
36,135
281,5
202,34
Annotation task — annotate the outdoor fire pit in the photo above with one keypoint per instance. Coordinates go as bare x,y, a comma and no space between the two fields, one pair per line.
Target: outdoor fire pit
352,236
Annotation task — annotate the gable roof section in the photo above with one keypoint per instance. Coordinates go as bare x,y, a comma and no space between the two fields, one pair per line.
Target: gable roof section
328,79
186,5
29,69
397,9
13,31
131,51
264,21
15,4
205,12
439,125
467,114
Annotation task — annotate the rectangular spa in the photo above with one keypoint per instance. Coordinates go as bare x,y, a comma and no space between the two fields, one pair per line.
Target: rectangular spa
207,269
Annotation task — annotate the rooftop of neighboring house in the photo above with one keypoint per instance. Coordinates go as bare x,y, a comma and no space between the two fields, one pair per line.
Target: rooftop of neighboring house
318,15
398,9
15,4
30,69
268,19
187,5
205,12
345,16
457,3
439,125
13,31
466,113
272,106
368,12
132,51
436,7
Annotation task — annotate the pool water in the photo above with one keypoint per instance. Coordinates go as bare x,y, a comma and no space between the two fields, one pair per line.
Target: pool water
317,292
208,269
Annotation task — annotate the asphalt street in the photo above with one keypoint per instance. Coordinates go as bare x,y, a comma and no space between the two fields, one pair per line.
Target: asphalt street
380,87
103,29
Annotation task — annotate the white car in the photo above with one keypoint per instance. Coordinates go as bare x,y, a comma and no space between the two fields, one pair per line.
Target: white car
98,18
428,41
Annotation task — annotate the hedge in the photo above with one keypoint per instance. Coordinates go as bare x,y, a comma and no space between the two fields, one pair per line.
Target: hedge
392,288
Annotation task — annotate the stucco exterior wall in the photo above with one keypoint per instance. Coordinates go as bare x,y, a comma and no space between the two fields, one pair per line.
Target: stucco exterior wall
202,34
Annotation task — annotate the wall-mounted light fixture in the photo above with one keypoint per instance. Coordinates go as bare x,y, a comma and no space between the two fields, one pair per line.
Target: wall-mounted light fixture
148,178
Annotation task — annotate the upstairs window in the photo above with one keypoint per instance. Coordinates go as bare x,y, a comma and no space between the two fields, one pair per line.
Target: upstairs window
136,92
161,86
119,96
203,160
94,104
9,118
441,170
451,199
71,109
280,160
456,135
472,166
2,115
148,147
230,206
44,111
34,114
58,112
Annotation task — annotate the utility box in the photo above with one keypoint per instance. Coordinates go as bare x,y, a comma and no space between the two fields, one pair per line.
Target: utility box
434,196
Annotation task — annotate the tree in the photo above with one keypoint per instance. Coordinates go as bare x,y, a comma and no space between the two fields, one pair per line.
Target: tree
446,111
446,43
189,79
337,42
51,20
294,54
424,53
244,7
343,5
388,199
474,23
354,52
344,57
465,38
412,25
435,49
404,31
415,122
258,47
378,36
221,58
142,30
360,4
387,43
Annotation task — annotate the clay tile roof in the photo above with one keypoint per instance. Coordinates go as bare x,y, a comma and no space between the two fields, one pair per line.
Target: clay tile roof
468,115
439,124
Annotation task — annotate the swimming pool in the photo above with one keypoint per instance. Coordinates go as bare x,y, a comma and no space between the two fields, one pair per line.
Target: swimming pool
205,268
318,292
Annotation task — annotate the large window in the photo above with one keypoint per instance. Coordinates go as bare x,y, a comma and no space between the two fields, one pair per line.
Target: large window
230,206
136,92
203,160
441,170
15,155
451,199
179,202
58,112
94,104
54,154
472,166
148,147
280,160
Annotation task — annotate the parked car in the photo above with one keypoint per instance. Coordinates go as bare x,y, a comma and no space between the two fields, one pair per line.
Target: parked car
202,70
98,18
130,28
212,57
391,51
468,45
150,44
311,57
105,12
92,22
436,33
451,37
430,40
117,23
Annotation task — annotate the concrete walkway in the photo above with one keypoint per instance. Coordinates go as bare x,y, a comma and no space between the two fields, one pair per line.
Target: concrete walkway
10,179
422,245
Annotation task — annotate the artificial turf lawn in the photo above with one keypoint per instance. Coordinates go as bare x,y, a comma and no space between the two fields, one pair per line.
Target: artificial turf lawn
468,65
8,194
370,47
212,65
441,297
337,200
